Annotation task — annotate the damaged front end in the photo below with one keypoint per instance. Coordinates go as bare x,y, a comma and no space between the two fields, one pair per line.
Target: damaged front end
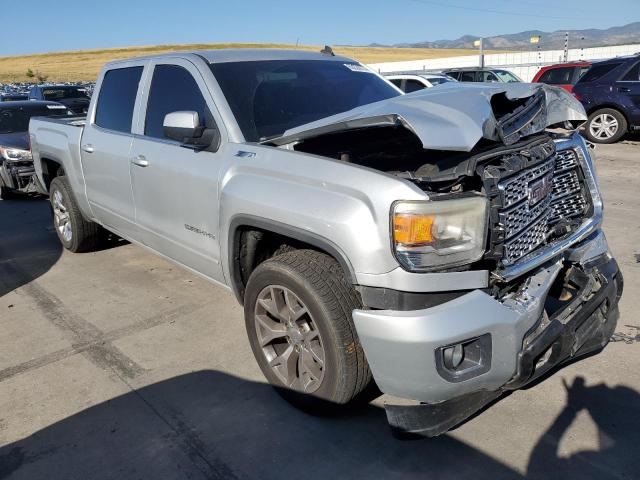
553,289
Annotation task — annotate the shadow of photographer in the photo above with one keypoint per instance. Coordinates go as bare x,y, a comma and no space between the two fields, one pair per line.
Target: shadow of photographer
616,413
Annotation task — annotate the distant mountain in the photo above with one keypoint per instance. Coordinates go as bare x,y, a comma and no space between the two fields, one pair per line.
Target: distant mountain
591,37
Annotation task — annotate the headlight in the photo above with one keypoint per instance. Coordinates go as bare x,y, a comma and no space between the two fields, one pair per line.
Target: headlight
436,234
15,154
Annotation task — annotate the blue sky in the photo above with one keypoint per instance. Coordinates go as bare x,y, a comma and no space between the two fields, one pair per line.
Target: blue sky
42,26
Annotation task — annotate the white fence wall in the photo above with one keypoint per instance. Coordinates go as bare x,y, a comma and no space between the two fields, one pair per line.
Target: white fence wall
524,64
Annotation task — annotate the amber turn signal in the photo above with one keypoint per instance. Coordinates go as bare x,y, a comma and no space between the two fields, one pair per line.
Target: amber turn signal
411,229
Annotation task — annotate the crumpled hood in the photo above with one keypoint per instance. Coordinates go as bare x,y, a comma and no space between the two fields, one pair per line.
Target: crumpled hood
455,116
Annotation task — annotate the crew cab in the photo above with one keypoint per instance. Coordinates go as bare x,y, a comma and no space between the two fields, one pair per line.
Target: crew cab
444,244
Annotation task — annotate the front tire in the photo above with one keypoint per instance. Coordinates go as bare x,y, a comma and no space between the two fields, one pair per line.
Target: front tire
75,233
298,308
606,126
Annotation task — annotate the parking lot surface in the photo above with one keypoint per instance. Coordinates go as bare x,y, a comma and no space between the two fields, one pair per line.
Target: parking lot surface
117,364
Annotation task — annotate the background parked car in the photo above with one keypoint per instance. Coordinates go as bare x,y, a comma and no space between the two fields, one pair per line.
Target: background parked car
16,163
564,75
477,74
74,97
411,83
610,93
12,97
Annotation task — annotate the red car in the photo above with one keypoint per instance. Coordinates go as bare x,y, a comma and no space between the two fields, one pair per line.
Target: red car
563,75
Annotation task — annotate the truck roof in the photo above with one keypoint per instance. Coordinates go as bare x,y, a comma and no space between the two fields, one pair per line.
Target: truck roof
245,55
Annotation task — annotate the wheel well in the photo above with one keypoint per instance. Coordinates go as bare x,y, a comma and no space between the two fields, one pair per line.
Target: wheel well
252,245
50,170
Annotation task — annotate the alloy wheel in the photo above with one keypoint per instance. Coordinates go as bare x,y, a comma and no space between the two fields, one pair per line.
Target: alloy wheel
289,339
61,216
603,126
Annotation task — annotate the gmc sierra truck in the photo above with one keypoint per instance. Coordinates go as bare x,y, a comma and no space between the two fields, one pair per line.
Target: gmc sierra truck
444,244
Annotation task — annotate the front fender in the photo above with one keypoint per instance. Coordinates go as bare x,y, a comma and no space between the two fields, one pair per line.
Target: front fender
339,207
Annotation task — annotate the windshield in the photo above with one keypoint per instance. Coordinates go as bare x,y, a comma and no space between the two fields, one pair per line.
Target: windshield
17,119
270,97
506,77
61,93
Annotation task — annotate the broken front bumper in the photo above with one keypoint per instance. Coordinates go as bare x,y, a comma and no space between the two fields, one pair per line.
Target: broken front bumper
460,355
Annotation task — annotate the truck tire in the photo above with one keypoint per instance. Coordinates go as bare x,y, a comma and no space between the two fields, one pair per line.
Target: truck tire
298,308
75,233
606,125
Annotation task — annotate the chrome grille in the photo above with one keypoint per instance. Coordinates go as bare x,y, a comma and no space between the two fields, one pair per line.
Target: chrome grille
525,216
568,199
515,188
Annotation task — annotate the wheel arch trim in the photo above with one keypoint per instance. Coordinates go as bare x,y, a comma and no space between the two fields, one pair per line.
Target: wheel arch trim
295,233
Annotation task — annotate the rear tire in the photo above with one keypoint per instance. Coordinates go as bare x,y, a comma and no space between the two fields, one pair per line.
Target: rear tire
305,291
75,233
606,125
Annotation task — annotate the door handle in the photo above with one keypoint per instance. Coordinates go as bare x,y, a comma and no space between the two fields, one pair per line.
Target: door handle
624,90
140,161
87,148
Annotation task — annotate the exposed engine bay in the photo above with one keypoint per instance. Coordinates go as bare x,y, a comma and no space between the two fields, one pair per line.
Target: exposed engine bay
537,192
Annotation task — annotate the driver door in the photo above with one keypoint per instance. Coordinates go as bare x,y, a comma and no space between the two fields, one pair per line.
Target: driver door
175,189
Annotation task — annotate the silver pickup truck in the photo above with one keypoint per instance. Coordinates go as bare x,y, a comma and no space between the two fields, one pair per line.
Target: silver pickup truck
445,244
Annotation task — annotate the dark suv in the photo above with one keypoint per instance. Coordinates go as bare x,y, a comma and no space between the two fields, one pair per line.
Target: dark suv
610,93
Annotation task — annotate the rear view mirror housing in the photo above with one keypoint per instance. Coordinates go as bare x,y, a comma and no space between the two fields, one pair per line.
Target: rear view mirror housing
184,127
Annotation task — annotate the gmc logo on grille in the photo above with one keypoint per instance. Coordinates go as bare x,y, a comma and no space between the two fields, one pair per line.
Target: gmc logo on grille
539,190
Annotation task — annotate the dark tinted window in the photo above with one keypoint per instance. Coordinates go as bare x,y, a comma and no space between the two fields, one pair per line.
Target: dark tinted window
397,82
117,98
270,97
173,89
557,76
582,71
59,93
468,77
14,119
413,86
455,75
598,71
632,75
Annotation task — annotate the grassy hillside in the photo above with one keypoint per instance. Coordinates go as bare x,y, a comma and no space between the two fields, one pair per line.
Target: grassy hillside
85,64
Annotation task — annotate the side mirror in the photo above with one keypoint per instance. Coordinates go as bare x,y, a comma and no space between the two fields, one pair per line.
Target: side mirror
184,127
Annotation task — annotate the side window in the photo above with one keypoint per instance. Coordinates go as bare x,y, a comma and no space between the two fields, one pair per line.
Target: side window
582,71
397,82
632,75
597,71
558,76
455,75
172,89
413,86
489,77
117,98
468,77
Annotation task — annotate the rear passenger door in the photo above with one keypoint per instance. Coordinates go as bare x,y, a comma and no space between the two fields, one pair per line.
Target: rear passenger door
175,188
106,145
628,88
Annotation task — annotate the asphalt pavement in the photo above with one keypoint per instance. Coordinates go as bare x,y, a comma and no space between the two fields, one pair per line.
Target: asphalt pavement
119,365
